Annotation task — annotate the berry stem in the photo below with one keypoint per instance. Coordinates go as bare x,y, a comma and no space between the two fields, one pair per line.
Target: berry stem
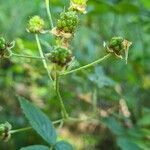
29,128
20,130
27,56
63,109
88,65
42,55
49,13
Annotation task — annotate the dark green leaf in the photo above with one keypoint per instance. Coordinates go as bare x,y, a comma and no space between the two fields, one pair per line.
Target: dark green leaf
63,145
39,121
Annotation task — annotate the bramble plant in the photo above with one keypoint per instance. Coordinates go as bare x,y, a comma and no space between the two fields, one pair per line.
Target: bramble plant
60,58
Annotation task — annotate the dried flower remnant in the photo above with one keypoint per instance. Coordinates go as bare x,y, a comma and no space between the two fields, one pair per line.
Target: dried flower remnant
78,5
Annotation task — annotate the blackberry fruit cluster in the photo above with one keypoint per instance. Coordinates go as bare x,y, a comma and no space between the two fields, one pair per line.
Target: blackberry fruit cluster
36,25
60,56
68,21
116,45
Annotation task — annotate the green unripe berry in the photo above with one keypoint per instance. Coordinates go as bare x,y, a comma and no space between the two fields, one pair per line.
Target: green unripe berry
68,21
116,44
36,25
60,56
5,48
5,131
2,43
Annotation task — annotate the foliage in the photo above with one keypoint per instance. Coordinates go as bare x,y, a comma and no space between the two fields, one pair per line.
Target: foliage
117,93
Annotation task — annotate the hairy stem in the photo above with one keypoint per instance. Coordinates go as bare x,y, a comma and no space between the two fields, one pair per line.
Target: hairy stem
27,56
49,13
63,109
87,66
42,55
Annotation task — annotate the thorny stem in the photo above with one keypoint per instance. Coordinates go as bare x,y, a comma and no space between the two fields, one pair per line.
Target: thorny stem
64,112
88,65
49,13
42,55
27,56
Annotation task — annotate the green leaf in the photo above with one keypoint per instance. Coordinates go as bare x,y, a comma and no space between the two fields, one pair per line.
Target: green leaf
114,125
100,79
146,3
145,120
39,121
35,147
127,144
63,145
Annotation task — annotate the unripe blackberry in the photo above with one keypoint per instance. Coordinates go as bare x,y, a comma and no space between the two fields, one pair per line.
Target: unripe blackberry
60,56
2,43
5,131
35,25
67,22
116,44
5,48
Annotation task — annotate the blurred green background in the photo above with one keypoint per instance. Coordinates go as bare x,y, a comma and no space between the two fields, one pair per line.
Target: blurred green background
119,92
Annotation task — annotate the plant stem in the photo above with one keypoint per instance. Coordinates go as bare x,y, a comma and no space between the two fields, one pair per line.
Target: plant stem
29,128
27,56
49,13
20,130
63,109
42,55
57,121
87,66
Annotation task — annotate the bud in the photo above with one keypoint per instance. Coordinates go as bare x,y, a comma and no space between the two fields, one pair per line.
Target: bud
5,48
117,45
5,131
35,25
78,5
60,56
66,24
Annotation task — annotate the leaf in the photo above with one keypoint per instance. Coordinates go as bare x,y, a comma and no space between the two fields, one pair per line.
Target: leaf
145,120
114,125
146,3
39,121
63,145
127,144
100,79
35,147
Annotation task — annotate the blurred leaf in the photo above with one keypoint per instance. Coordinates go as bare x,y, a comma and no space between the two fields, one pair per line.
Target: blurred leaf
126,7
145,120
63,145
35,147
146,3
39,121
114,125
100,78
126,144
